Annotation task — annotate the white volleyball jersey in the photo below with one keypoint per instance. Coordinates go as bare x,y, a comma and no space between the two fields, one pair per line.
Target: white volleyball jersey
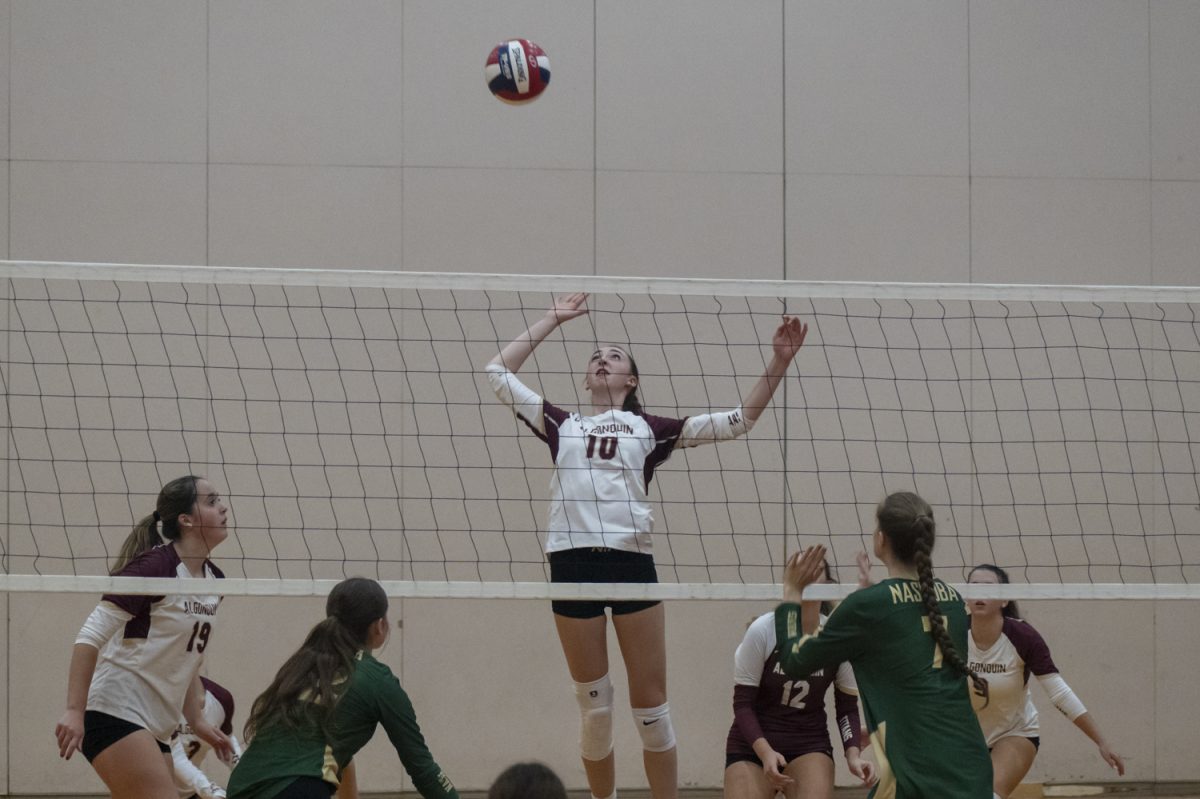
145,669
188,750
604,464
1006,665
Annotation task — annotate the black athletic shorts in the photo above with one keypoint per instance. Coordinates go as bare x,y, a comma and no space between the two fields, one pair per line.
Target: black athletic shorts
1033,739
751,757
101,731
307,788
600,565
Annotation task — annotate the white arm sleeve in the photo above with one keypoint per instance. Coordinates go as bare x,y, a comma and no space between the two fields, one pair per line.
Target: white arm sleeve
844,681
753,651
525,402
102,625
189,778
1061,695
709,427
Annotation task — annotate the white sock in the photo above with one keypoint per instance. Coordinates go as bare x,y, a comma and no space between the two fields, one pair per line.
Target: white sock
612,795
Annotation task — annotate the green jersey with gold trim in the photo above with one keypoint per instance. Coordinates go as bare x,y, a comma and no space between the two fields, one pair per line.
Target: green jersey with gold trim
926,737
279,755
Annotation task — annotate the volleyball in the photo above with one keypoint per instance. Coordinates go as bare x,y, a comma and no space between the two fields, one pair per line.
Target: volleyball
517,71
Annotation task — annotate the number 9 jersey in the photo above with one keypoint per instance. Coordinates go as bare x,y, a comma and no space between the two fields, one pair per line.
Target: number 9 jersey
151,647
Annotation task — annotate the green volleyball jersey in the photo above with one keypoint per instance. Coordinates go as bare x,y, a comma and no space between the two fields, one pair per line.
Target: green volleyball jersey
926,737
278,755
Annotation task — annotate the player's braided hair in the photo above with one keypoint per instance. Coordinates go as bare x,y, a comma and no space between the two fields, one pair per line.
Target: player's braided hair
907,521
1009,610
310,683
174,499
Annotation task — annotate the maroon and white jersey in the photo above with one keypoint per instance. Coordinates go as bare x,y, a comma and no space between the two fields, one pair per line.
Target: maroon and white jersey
145,668
789,713
1006,665
604,464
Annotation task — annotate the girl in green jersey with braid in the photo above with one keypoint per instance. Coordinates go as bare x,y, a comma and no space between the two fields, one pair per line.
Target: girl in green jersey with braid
325,704
903,637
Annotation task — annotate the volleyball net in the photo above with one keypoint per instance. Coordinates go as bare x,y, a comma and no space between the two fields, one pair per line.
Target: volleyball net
346,417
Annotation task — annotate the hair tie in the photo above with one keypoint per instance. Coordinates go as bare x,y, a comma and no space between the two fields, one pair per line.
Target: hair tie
157,518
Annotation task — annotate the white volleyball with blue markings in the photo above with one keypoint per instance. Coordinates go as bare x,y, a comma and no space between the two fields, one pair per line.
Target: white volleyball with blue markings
517,71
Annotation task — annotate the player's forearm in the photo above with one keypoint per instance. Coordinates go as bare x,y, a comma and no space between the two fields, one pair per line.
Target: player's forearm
514,354
347,782
1090,729
798,656
760,394
79,677
193,703
762,749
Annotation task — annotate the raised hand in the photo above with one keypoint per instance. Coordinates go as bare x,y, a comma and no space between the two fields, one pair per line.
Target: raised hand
789,337
863,562
567,307
803,569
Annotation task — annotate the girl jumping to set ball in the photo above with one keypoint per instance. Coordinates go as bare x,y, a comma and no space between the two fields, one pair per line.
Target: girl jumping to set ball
600,526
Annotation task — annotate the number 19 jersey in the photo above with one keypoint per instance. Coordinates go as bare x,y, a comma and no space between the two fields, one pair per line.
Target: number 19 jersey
927,739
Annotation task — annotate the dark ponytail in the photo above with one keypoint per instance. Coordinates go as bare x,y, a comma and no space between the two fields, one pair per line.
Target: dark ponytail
907,521
174,499
632,403
309,684
1010,610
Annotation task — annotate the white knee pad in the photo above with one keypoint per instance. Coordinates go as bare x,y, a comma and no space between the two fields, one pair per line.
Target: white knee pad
654,725
596,708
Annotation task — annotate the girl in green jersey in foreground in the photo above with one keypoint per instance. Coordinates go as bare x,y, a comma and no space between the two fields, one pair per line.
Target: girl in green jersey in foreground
903,637
324,706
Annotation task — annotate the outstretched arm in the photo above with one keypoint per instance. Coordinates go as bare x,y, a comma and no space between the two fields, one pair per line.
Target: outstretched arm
514,354
1091,730
786,342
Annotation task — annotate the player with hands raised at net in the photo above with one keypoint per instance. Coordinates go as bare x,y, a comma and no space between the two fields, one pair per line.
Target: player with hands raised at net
600,525
903,636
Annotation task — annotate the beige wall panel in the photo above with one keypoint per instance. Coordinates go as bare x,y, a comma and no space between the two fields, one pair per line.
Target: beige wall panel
858,227
450,117
689,224
876,87
5,73
1079,635
305,82
125,213
5,721
689,86
1176,232
1046,77
482,220
41,634
1175,89
1176,645
120,81
305,216
1060,231
5,170
502,665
